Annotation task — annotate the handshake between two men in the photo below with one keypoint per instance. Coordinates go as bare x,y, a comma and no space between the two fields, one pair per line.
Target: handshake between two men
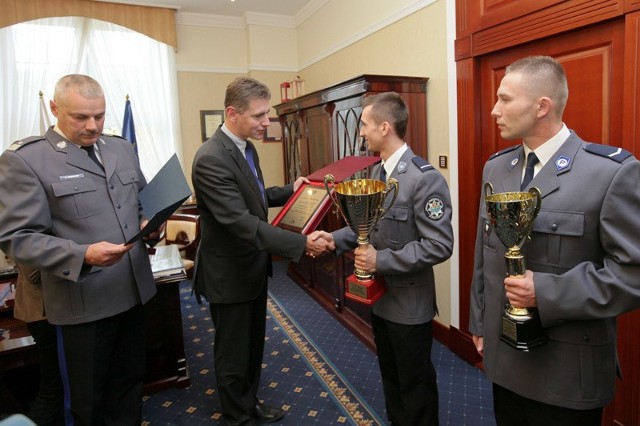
322,242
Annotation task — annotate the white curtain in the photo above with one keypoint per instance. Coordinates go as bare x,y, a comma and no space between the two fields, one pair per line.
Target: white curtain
35,54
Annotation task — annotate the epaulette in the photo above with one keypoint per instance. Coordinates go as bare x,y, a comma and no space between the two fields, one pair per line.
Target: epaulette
113,135
22,142
504,151
612,152
422,164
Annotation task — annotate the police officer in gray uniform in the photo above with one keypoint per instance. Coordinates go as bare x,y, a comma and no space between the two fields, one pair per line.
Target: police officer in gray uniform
583,259
414,235
69,215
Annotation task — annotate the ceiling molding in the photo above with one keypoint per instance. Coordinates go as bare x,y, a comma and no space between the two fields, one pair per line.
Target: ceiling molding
270,20
206,20
309,10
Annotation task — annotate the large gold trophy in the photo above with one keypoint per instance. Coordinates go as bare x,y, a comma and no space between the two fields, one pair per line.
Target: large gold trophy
512,215
361,204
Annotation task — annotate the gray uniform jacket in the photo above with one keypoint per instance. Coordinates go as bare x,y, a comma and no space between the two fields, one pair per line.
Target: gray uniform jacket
585,255
54,203
234,256
414,235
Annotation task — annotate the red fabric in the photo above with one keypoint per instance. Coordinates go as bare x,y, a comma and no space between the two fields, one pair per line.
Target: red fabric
343,168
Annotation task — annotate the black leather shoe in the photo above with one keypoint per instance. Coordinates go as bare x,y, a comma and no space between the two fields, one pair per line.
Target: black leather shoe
265,414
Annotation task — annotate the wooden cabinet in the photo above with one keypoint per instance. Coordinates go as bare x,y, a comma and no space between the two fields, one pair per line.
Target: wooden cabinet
319,129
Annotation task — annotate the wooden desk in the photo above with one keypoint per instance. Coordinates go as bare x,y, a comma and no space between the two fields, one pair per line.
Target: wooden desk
166,365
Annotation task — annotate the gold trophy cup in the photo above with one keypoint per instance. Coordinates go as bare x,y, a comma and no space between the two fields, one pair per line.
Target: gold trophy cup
512,215
361,204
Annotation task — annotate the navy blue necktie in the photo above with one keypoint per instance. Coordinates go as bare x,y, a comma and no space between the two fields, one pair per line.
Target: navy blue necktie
248,151
92,154
383,173
532,159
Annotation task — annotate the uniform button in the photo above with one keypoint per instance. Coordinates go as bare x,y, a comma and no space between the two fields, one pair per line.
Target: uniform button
586,339
75,188
111,186
66,272
118,206
554,227
125,226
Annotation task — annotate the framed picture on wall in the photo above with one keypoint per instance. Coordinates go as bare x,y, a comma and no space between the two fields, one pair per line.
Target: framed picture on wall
210,120
274,131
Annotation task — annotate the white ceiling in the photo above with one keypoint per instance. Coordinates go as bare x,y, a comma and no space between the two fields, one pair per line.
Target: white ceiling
226,7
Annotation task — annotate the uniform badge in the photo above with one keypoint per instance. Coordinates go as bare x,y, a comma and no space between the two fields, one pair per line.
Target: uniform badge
61,145
514,162
434,208
562,162
402,166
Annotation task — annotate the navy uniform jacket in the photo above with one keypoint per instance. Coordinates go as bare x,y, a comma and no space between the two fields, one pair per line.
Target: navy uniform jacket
54,203
234,256
414,235
585,255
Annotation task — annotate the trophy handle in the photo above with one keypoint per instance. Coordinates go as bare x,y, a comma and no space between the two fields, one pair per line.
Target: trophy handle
329,182
391,184
488,189
535,191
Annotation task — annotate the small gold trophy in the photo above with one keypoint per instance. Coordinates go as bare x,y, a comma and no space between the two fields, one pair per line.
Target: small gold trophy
361,204
512,215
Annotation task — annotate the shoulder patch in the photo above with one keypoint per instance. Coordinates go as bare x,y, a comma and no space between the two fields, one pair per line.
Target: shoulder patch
22,142
421,163
612,152
504,151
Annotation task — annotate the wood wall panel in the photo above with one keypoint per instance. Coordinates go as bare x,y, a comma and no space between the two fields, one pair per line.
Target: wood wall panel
631,108
631,5
469,151
562,17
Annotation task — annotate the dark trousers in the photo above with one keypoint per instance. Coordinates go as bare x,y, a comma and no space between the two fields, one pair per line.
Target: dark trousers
102,365
408,375
512,409
47,407
237,355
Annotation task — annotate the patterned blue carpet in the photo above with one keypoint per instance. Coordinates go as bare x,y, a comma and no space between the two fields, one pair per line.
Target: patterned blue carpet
313,368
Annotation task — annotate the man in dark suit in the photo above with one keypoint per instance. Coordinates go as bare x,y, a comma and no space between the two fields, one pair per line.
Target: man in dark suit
414,235
583,259
234,259
69,215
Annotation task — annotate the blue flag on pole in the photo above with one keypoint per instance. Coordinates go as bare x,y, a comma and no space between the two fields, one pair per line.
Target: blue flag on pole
128,129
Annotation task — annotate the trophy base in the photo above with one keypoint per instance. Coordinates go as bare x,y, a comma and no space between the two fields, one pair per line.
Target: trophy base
523,334
364,291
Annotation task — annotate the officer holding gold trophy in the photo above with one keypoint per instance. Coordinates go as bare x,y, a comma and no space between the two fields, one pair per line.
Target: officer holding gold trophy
414,235
582,260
